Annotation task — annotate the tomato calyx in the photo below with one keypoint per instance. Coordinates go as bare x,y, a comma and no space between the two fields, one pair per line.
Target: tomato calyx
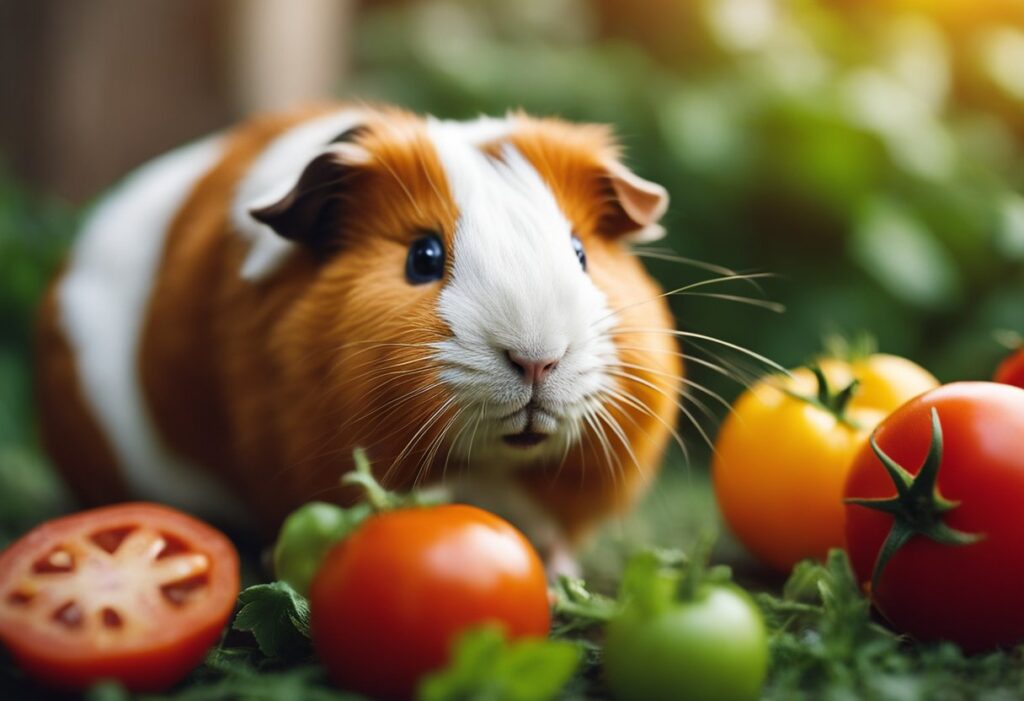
918,507
827,399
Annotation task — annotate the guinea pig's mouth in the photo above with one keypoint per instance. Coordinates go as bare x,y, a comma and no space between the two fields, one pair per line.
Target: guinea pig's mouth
528,427
526,439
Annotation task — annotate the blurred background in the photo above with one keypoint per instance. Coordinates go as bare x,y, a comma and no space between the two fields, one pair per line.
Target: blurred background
867,152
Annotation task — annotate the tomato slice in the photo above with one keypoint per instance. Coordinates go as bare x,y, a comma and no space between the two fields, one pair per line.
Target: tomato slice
135,592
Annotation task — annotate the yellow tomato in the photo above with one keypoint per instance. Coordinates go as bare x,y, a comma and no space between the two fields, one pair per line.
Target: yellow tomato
783,453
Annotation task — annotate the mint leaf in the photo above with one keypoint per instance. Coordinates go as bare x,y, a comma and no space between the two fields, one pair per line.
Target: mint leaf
278,617
486,667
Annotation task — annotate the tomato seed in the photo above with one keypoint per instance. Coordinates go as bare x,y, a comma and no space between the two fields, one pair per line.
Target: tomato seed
110,539
111,618
20,598
179,592
59,560
69,615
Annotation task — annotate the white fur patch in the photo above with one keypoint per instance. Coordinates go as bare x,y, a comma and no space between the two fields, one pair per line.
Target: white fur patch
516,285
103,298
274,173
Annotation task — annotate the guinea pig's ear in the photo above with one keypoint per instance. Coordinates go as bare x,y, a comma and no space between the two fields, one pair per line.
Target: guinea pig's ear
305,213
638,205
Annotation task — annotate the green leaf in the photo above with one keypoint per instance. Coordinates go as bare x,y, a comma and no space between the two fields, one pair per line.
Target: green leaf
278,617
904,256
486,667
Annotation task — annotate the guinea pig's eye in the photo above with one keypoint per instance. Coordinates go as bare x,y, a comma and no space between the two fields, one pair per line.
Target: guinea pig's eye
577,246
425,262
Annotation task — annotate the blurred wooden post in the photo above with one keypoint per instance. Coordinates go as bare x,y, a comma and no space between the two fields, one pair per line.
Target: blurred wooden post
285,52
90,89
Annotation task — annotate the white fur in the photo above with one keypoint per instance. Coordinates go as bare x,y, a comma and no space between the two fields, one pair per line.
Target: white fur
103,298
516,285
274,173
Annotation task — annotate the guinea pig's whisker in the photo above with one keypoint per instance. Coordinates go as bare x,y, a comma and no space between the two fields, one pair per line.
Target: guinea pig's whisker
431,453
745,373
400,399
599,432
368,345
752,301
455,440
682,407
419,435
380,387
687,382
621,435
733,374
711,339
671,256
319,453
685,289
689,396
479,417
620,398
570,439
394,373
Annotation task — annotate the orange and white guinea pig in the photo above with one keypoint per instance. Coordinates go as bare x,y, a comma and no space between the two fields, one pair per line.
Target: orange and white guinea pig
458,298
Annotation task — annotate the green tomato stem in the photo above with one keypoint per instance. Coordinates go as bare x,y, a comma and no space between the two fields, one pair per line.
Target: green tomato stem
377,497
918,507
835,403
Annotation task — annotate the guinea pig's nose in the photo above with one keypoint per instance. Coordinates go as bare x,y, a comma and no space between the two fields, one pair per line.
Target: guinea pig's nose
532,371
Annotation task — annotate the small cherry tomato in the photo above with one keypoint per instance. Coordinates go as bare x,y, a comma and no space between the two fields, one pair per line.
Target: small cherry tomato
940,528
1011,370
714,648
782,455
684,633
133,592
306,536
390,600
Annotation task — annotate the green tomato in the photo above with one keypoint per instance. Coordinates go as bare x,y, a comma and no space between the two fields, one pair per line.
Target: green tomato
306,536
711,648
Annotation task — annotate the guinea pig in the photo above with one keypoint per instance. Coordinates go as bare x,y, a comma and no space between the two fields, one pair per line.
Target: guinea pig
458,298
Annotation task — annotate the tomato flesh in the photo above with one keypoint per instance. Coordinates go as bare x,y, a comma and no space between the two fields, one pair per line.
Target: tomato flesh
390,600
968,594
133,592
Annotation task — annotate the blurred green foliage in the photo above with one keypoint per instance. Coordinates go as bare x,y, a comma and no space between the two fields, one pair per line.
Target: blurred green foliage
34,235
869,153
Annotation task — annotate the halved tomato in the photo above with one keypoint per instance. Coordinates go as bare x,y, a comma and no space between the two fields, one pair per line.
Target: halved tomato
134,592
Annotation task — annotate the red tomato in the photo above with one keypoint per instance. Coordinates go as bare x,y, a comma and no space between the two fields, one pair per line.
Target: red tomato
390,600
969,593
1011,370
133,592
